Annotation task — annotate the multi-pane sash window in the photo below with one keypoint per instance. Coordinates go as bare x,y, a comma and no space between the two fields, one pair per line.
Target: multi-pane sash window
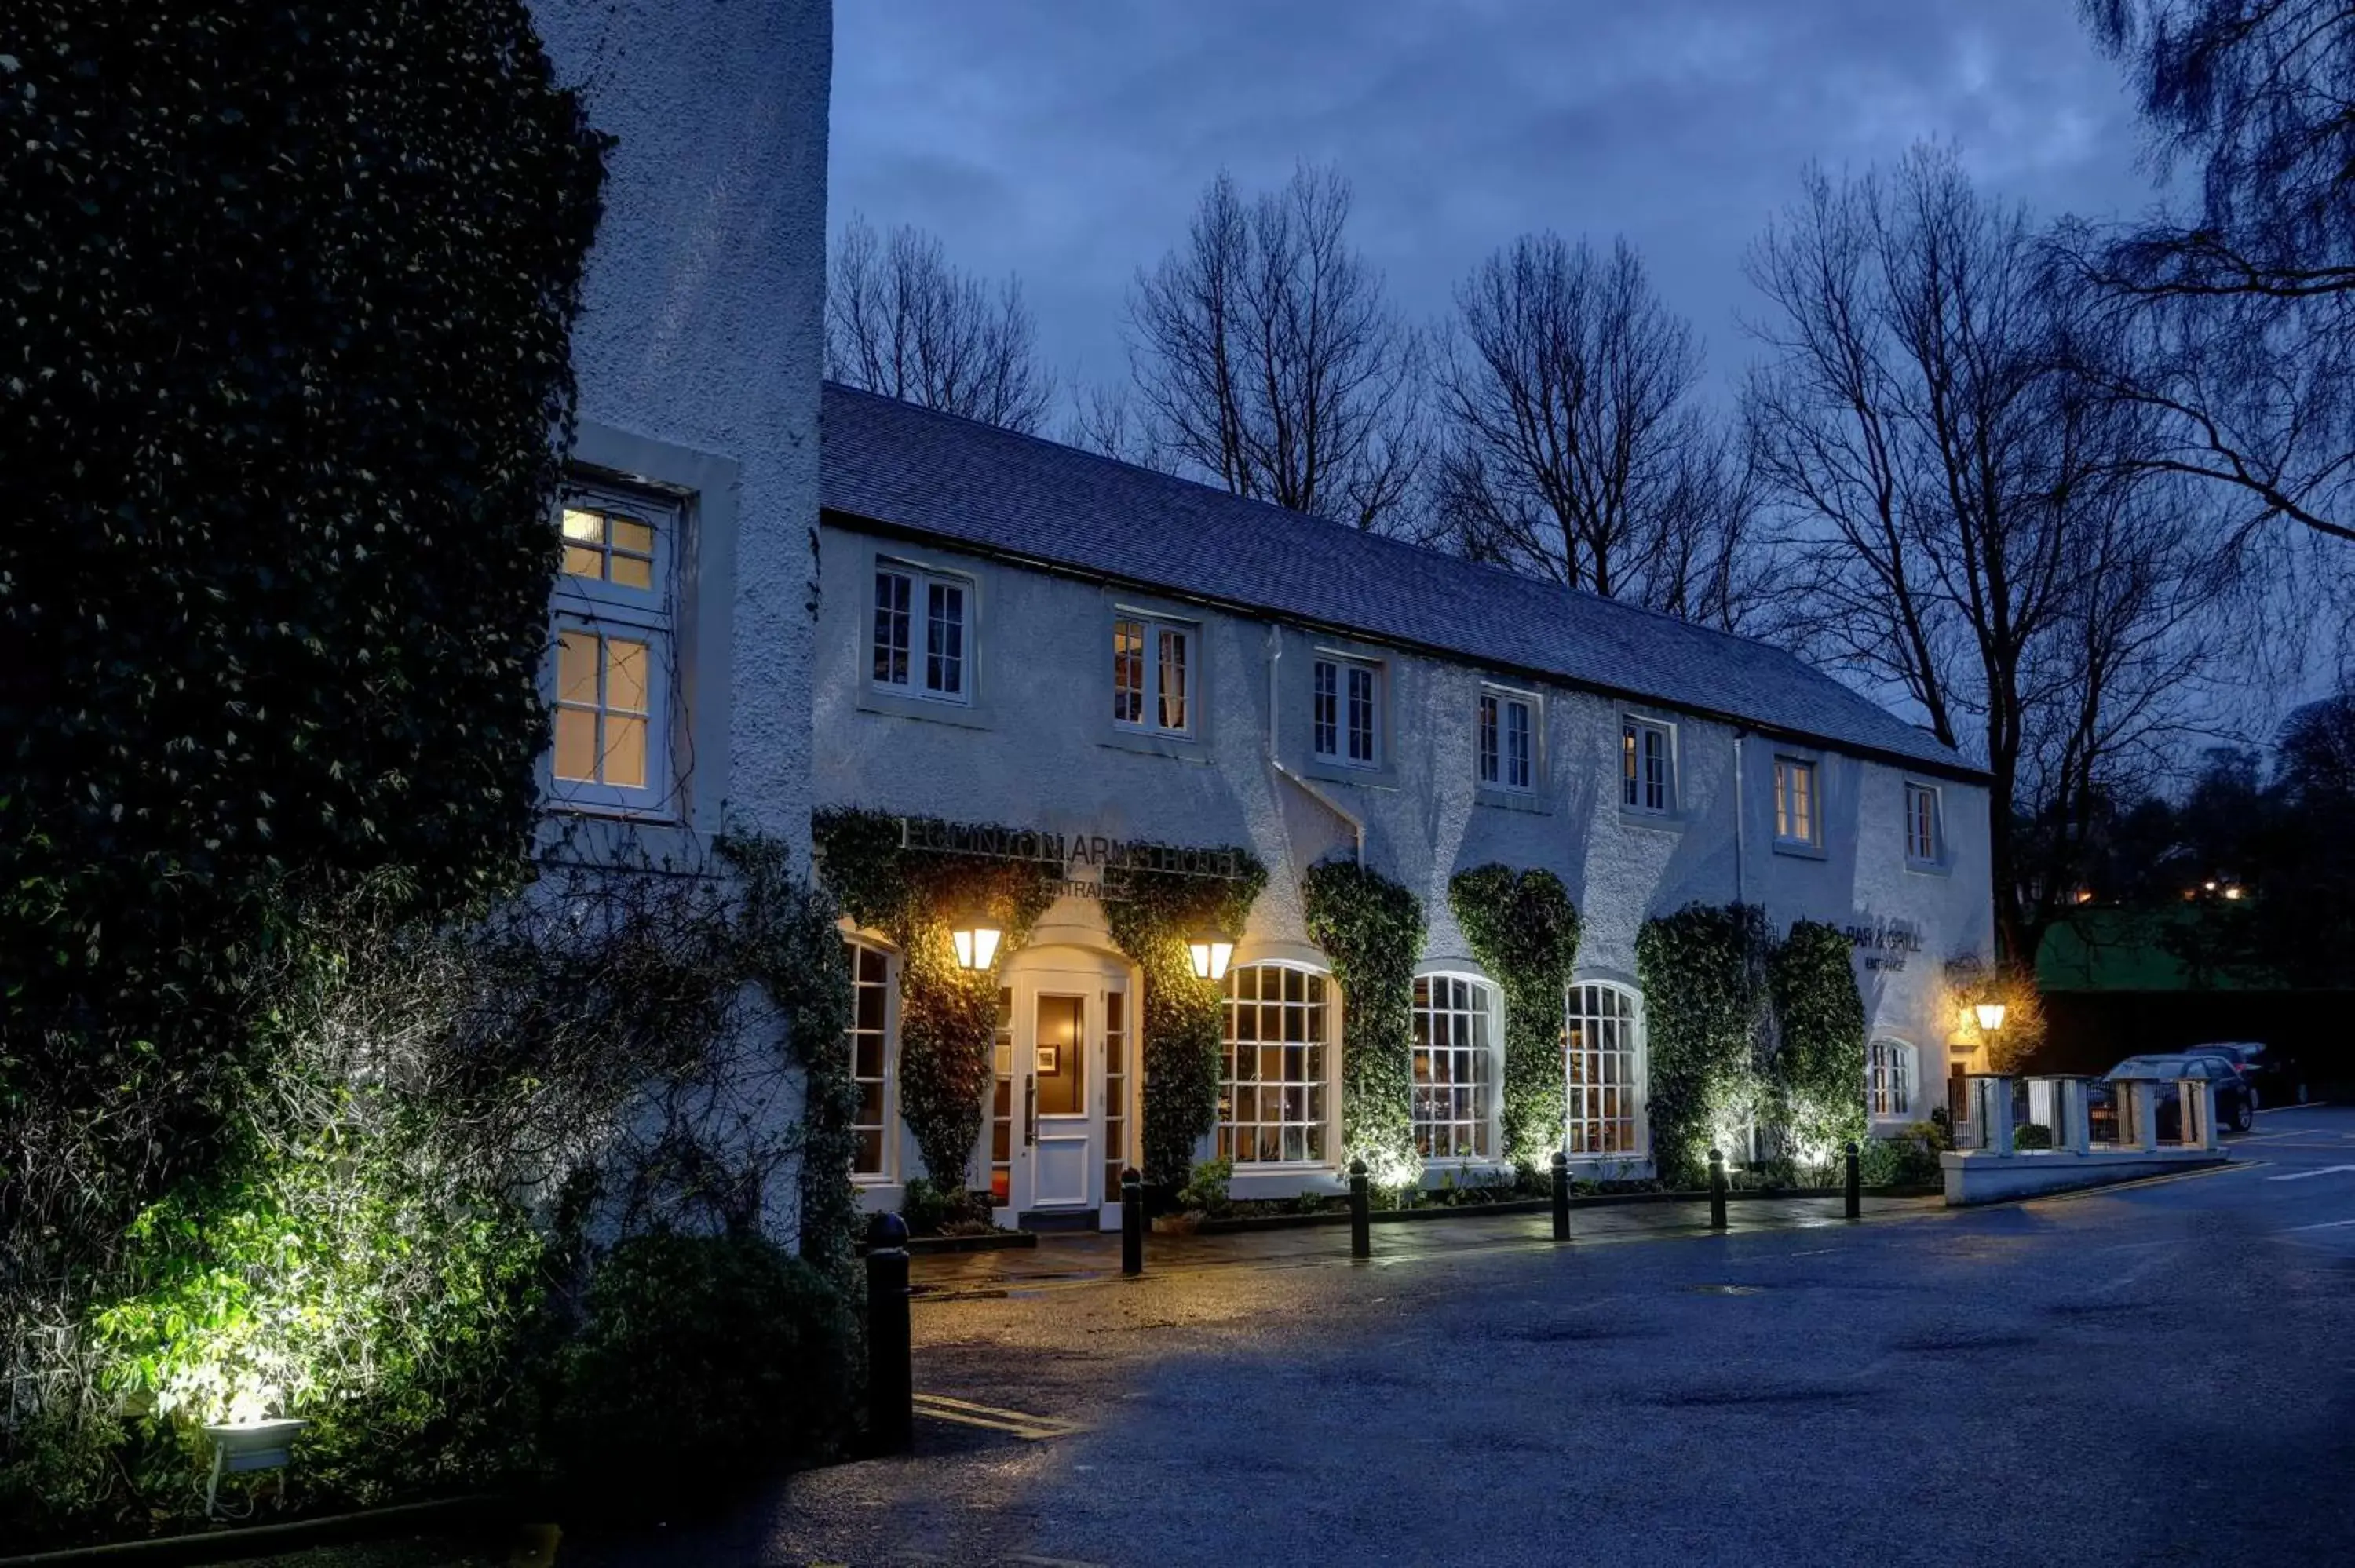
612,674
1602,1060
1153,675
1345,711
1272,1098
1921,824
1451,1067
1507,727
1889,1079
1001,1102
1796,804
869,1046
922,637
1644,767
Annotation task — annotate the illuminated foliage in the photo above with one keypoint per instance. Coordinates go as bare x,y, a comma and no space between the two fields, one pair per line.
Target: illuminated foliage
1371,929
1524,931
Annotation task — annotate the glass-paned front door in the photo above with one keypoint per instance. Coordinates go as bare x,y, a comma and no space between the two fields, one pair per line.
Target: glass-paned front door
1061,1060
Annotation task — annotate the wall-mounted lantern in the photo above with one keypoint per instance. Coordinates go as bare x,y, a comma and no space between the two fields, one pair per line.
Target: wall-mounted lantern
976,935
1210,947
1989,1014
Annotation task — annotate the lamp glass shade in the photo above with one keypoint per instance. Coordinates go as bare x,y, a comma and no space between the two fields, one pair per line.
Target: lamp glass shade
1210,956
975,939
1990,1014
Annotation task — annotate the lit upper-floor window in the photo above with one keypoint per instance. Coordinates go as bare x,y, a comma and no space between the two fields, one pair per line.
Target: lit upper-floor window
1154,675
1797,808
1345,711
1924,845
614,669
1507,741
923,643
1645,767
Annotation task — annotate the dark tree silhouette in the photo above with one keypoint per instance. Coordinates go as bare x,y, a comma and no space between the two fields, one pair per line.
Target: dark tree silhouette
900,320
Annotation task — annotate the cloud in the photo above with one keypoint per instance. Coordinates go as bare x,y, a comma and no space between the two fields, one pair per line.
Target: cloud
1067,143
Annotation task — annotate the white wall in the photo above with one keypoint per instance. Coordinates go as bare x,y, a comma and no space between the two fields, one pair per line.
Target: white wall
1037,750
703,332
700,353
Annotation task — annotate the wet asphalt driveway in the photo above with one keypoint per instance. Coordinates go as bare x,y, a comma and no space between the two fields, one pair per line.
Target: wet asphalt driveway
2159,1374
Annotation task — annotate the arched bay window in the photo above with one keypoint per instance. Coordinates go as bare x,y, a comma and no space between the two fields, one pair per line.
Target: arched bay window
1453,1067
1273,1093
1602,1063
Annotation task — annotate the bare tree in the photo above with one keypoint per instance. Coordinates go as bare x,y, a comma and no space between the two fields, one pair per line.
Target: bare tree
900,321
1970,516
1574,449
2247,306
1264,357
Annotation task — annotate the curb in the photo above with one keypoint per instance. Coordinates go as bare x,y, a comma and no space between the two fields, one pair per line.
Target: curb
1241,1225
264,1540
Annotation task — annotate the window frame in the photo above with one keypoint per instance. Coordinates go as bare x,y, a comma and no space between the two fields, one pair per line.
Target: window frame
1634,1085
1503,700
1488,1063
1813,840
1346,668
1932,857
888,1143
1634,729
922,580
1881,1101
1223,1126
606,610
1152,695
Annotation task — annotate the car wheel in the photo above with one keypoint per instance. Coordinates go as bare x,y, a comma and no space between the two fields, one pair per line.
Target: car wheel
2244,1114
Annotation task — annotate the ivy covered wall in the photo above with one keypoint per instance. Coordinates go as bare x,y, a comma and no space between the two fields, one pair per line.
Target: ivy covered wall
1524,931
1703,971
948,1015
1371,931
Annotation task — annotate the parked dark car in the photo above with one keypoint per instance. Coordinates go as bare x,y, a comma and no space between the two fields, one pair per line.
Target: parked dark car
2236,1102
2274,1080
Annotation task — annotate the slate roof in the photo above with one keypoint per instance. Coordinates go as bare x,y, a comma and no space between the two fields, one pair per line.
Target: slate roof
914,472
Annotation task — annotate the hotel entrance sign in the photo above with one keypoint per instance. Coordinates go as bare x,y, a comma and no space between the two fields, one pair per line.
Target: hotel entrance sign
1091,863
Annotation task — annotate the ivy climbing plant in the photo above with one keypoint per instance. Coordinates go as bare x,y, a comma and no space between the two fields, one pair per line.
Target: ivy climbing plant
1818,1073
1703,970
1524,931
948,1015
1371,929
1151,917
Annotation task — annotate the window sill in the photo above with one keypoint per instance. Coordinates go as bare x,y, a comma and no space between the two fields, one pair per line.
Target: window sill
1928,867
1799,850
1176,748
1506,800
1328,772
1652,822
963,716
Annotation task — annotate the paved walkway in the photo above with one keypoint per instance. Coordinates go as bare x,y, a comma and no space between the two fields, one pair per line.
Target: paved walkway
1085,1257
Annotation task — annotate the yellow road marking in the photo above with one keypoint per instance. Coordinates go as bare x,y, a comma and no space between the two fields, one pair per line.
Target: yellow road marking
1022,1423
2154,1181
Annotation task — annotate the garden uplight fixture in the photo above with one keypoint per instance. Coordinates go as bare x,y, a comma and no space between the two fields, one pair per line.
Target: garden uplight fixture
976,935
1210,949
241,1446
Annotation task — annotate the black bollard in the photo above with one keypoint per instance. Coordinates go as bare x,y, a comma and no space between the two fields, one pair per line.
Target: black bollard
1362,1217
1855,1185
1561,1196
890,1345
1717,1188
1132,1223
